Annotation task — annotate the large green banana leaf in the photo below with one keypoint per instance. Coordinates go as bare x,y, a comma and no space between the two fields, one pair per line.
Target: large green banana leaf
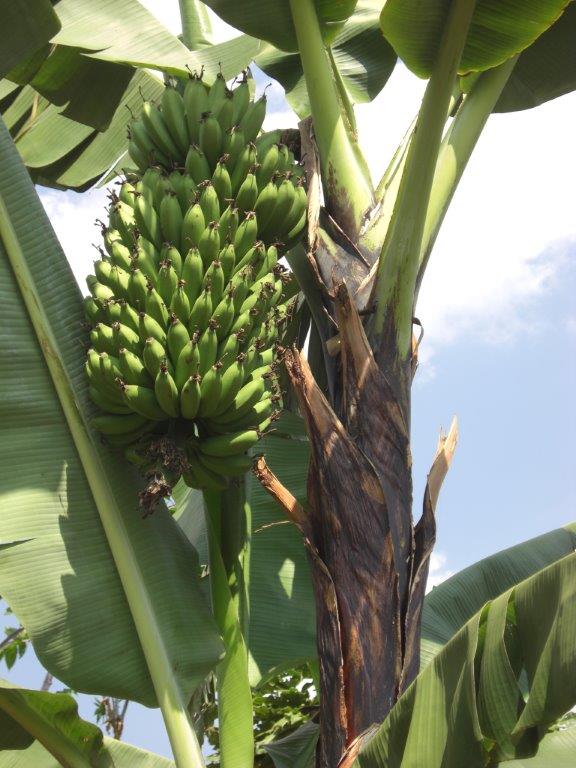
491,692
498,30
447,608
26,26
271,20
451,604
70,119
57,568
545,70
41,730
282,616
116,754
52,718
556,750
362,56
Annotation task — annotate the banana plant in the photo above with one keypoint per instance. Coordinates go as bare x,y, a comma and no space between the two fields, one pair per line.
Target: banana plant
482,669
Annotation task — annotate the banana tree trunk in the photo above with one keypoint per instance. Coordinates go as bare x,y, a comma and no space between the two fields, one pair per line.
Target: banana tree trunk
369,563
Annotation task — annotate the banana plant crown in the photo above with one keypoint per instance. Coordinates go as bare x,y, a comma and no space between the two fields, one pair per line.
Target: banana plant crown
188,300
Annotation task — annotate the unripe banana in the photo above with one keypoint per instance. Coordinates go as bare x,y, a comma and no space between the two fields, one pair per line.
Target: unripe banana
192,274
171,219
188,363
174,116
225,114
177,338
154,354
227,259
221,182
209,244
214,277
201,311
233,145
223,315
245,236
207,348
233,466
188,300
132,369
143,401
199,476
252,120
166,392
268,165
193,226
167,282
211,138
240,99
180,304
196,164
106,404
156,128
115,424
172,255
190,397
210,390
209,202
228,223
195,104
247,194
228,445
148,327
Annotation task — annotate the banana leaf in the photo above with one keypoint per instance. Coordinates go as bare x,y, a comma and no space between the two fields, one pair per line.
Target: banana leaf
26,26
68,578
490,694
271,20
498,31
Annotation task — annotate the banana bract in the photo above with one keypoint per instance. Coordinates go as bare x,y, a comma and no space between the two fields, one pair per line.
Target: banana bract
188,301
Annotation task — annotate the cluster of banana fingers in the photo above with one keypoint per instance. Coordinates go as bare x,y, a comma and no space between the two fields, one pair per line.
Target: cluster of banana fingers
188,301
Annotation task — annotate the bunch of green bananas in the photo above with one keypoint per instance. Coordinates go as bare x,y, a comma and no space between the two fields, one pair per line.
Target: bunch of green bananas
188,303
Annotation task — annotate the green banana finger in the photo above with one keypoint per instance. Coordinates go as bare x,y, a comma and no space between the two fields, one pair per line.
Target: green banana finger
166,392
117,424
142,400
228,445
233,466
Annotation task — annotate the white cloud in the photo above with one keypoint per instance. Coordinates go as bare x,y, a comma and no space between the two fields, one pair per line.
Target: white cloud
73,218
438,571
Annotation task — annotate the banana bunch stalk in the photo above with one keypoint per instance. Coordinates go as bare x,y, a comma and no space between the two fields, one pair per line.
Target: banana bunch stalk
188,301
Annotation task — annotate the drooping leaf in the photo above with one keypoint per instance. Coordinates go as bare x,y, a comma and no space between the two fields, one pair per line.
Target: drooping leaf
363,57
453,602
296,750
57,569
271,20
90,159
556,750
124,32
545,70
116,754
467,707
498,30
88,90
26,26
50,718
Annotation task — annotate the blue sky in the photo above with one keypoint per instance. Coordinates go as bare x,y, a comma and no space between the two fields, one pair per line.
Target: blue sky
499,312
